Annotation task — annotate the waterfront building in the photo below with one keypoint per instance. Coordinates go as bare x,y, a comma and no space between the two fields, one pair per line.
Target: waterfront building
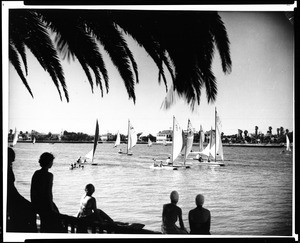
164,136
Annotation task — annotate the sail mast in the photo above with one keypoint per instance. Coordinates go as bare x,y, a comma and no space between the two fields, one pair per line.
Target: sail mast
200,138
128,136
95,139
186,143
215,134
173,140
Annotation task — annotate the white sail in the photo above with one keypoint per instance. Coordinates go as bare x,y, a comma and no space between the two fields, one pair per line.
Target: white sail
132,137
90,154
15,139
217,148
189,140
214,147
201,139
118,140
208,149
217,152
149,142
33,141
177,140
288,144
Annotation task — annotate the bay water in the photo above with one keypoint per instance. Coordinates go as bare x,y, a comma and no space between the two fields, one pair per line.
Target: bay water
251,195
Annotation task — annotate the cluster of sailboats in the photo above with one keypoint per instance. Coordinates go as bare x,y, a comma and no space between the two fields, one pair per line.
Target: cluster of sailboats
182,144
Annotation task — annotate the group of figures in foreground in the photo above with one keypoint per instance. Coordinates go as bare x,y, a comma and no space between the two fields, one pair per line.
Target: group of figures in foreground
21,214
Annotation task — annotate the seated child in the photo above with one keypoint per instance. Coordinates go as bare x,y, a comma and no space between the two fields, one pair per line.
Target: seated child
88,208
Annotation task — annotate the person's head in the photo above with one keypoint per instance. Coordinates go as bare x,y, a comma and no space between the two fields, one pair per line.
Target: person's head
199,200
46,160
174,196
89,189
11,155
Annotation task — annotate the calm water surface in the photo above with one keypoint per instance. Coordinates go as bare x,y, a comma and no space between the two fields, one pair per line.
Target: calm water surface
251,195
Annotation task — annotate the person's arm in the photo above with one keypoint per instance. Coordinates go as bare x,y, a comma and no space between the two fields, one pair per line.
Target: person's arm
208,224
49,188
94,204
191,221
50,195
180,219
80,209
163,215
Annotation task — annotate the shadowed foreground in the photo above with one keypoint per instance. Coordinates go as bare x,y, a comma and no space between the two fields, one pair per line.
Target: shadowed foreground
80,225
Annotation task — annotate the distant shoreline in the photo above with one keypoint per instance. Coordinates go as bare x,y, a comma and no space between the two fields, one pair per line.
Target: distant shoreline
268,145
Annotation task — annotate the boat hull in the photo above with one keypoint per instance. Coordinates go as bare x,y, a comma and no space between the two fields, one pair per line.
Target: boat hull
169,167
124,153
211,163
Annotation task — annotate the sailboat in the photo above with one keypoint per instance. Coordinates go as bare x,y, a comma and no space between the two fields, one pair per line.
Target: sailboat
177,145
214,148
201,139
149,142
288,144
90,154
33,140
188,141
132,138
118,140
15,139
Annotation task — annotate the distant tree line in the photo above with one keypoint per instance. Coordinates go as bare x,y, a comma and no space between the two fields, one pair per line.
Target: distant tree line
240,137
259,137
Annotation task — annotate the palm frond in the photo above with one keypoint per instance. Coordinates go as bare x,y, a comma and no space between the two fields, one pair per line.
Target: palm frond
74,40
143,30
218,30
115,45
14,59
36,38
181,42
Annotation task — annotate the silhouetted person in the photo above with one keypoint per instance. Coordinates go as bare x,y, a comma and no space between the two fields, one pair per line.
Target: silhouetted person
171,212
199,218
20,214
88,211
42,198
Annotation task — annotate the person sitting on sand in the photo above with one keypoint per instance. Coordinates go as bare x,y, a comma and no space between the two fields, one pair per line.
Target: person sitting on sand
168,161
199,218
171,212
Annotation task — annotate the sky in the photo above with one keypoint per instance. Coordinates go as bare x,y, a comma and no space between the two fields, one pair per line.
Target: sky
258,92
